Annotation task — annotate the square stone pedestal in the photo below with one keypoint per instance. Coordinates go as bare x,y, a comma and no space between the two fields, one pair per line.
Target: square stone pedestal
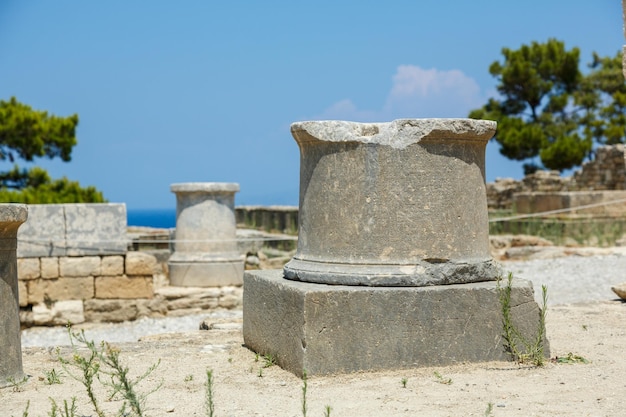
205,274
328,329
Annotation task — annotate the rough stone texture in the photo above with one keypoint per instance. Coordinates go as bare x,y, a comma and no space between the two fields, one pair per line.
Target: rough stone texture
28,268
183,298
153,307
23,293
620,290
205,253
123,310
212,272
231,298
44,232
188,299
79,266
607,171
73,230
59,313
75,288
112,265
124,287
501,245
537,202
400,203
281,219
11,217
114,311
50,267
340,329
140,263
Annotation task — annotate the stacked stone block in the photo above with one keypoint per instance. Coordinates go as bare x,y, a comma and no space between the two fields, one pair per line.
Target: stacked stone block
55,290
276,219
605,172
46,281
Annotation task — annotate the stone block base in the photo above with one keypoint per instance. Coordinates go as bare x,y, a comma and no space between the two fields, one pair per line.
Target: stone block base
328,329
206,274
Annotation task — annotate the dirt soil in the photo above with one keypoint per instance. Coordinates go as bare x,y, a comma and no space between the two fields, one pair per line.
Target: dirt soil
243,387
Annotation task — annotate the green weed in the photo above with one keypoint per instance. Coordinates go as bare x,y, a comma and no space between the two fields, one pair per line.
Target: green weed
209,406
52,377
102,363
269,360
17,385
68,410
521,349
304,387
441,379
570,358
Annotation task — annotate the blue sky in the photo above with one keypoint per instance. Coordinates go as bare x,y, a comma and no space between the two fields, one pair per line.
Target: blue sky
205,91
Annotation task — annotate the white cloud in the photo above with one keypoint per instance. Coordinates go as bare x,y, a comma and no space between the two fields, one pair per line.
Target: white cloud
347,110
417,92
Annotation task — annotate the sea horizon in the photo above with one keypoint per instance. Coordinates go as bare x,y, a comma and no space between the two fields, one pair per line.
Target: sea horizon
157,218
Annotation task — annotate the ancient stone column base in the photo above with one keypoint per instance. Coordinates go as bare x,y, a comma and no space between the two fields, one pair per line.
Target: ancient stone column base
419,274
205,273
329,329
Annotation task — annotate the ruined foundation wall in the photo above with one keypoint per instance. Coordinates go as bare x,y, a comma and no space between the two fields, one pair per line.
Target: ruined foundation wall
73,264
606,172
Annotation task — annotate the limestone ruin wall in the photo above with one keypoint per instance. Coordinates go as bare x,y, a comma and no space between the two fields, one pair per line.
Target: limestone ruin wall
606,172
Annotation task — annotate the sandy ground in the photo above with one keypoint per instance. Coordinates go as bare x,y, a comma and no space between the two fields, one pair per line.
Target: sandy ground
595,331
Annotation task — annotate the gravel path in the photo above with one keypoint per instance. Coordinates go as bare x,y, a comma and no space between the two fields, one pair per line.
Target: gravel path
571,279
124,332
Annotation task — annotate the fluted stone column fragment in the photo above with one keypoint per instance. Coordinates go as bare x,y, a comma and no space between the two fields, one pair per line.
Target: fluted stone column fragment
205,253
11,217
393,204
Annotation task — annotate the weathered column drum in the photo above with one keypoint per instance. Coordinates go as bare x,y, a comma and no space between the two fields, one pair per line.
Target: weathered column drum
393,204
205,254
11,217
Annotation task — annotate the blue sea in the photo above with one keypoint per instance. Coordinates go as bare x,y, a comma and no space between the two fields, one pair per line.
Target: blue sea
160,218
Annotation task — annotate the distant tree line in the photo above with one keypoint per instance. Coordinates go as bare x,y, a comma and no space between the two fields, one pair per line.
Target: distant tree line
549,113
27,134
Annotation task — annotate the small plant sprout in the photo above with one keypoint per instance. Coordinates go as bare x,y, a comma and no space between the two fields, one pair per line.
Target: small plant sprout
585,327
404,381
256,357
25,413
17,384
269,360
260,374
441,379
570,358
189,378
327,410
52,377
304,387
489,410
68,410
209,406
